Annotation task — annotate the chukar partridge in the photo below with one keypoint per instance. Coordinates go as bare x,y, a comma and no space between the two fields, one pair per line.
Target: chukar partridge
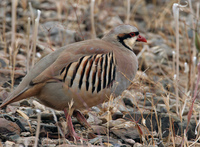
87,73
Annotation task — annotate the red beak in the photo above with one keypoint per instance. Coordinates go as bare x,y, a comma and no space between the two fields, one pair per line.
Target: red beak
141,39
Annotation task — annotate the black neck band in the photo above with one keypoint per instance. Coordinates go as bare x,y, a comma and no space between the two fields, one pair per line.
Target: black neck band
121,40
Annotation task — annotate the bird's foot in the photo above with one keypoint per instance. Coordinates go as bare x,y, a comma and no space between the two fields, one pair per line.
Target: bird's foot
72,136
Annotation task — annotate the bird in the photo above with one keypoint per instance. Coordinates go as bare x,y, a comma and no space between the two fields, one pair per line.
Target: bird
82,74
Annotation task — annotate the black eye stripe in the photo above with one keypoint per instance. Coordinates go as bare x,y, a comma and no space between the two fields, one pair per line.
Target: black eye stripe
133,34
122,37
136,33
125,36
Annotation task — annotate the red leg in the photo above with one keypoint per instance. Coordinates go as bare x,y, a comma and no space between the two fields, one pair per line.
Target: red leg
81,119
72,132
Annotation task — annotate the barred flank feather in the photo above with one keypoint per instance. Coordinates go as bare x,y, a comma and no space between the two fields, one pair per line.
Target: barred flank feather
96,72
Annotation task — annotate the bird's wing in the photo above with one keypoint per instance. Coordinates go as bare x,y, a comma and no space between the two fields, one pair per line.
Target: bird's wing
51,66
72,58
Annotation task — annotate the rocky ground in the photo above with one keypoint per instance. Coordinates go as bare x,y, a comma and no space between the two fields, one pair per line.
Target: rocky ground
145,114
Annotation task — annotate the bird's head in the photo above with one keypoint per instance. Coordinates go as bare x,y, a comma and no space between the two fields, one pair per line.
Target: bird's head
126,35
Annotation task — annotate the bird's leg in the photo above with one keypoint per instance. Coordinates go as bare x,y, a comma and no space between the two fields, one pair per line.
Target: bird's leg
81,119
71,132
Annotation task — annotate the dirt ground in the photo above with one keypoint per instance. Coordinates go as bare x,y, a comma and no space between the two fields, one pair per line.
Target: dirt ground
161,106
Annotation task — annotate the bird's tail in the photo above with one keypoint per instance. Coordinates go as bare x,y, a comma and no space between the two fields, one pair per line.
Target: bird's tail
23,94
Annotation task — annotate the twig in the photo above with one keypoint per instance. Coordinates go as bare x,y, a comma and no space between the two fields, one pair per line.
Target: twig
13,41
193,100
78,21
14,5
186,71
166,101
32,13
55,119
128,11
92,19
176,17
173,60
28,44
38,129
190,58
193,49
4,28
35,36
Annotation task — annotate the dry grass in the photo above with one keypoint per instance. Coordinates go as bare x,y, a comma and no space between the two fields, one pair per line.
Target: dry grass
159,24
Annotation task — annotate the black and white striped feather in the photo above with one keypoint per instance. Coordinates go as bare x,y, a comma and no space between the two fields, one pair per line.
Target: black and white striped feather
92,73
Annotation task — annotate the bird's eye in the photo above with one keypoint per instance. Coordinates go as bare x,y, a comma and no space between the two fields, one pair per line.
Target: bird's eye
132,34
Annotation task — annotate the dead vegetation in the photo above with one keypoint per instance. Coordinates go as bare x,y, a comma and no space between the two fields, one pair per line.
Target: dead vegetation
166,85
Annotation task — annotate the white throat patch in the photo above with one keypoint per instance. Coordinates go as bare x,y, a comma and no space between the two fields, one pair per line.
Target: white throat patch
130,42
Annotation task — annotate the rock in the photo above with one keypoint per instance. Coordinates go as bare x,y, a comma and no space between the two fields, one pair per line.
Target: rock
138,145
156,141
105,140
128,102
141,145
93,119
117,105
9,144
129,130
150,99
96,109
117,115
25,103
113,123
2,62
25,134
102,16
95,140
57,32
99,130
186,111
178,140
129,98
113,21
49,142
37,105
130,141
161,108
48,117
122,108
151,123
26,141
103,119
77,144
9,130
48,130
11,108
27,110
